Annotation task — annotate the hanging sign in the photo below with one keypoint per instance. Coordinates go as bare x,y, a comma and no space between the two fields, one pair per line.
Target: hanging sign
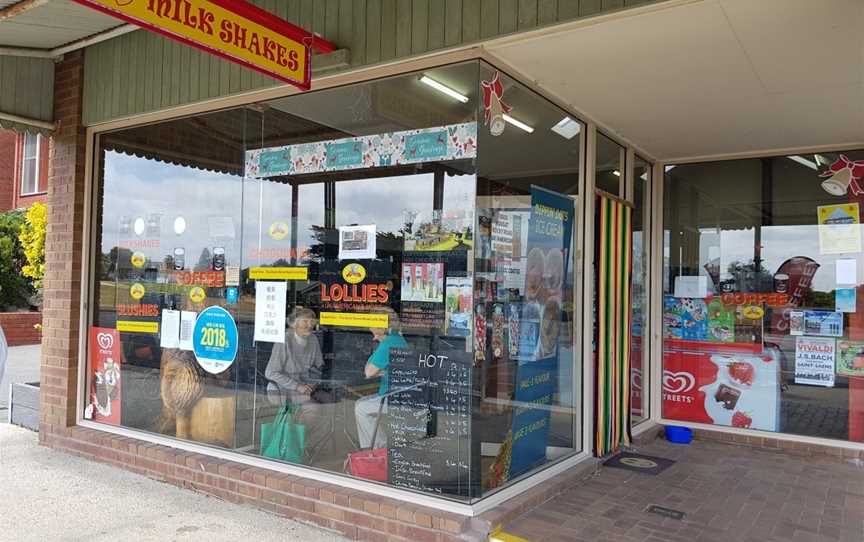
214,339
232,29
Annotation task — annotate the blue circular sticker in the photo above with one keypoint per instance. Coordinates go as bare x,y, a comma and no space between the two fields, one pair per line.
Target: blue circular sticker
214,339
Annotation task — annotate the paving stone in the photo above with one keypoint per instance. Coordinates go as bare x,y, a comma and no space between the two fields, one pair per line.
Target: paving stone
728,494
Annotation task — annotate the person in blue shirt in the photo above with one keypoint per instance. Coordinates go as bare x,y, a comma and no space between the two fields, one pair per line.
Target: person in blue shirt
366,409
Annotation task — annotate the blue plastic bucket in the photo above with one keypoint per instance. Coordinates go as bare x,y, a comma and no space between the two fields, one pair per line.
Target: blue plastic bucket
678,434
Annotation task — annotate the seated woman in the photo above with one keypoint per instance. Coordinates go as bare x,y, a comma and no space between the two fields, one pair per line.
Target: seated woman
366,409
294,368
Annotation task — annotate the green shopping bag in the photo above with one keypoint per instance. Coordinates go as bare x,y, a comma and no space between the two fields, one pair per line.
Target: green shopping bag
284,438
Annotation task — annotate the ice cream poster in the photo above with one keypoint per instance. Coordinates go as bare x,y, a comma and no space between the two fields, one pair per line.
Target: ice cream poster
687,319
105,376
850,358
839,228
550,227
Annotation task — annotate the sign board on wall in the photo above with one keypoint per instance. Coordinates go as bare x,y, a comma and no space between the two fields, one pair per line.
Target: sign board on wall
235,30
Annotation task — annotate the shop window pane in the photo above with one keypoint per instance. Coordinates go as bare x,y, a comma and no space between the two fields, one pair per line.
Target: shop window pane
639,352
762,325
373,355
526,343
610,157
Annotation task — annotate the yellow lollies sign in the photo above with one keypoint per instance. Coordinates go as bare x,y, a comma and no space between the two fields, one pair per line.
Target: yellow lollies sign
235,30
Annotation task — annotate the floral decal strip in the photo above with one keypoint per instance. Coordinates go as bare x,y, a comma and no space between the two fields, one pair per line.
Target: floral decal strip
453,142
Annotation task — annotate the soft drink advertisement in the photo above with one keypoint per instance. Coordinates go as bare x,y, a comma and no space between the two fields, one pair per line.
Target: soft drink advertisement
105,381
738,390
548,246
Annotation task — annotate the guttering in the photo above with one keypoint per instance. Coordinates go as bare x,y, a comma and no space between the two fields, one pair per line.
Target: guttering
51,126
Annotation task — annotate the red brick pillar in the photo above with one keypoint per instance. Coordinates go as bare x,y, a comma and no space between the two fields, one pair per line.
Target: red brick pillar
63,243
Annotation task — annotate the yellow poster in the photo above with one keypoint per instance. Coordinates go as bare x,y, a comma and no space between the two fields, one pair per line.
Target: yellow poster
354,319
839,228
279,273
137,327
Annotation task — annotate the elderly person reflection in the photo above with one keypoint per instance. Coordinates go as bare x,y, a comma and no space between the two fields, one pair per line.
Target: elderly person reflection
295,368
366,409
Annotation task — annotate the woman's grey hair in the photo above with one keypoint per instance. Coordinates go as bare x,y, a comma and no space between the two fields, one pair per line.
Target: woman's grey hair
300,312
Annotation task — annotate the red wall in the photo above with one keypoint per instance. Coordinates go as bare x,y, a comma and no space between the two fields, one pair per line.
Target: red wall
18,327
8,142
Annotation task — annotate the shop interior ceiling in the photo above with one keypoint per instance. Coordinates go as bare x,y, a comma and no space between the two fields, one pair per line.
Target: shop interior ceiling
710,77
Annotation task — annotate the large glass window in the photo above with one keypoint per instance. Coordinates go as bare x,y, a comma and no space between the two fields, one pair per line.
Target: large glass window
310,280
763,326
639,352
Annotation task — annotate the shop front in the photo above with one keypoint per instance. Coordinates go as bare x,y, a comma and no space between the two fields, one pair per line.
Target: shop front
375,285
431,289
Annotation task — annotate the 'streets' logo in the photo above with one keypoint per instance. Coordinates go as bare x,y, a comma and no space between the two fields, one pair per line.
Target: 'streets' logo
353,273
105,340
681,382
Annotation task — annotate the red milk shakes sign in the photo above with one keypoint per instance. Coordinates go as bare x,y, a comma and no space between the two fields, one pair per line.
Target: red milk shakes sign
233,29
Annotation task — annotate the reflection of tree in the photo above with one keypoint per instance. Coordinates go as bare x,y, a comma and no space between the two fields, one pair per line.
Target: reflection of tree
117,257
203,261
750,279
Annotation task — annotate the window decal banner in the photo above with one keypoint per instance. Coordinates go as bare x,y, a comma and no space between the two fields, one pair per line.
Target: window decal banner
550,229
105,381
232,29
452,142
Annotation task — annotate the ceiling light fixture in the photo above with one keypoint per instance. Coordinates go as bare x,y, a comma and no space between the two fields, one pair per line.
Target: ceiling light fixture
444,89
616,173
518,123
803,161
567,128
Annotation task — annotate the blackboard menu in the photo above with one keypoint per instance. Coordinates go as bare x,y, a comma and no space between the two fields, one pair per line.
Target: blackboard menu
429,419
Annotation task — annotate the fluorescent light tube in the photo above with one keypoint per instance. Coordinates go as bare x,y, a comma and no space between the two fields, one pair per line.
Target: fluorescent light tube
444,89
567,128
803,161
518,123
616,173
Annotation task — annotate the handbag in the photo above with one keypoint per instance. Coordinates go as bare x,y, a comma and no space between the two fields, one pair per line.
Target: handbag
370,464
284,438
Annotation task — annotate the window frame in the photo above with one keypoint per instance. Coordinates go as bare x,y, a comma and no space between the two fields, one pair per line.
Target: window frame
37,159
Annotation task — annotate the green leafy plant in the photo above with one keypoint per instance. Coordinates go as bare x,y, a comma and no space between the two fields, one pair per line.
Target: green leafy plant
32,237
15,289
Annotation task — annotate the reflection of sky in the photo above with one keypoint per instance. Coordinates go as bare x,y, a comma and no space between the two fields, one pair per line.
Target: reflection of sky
779,243
139,187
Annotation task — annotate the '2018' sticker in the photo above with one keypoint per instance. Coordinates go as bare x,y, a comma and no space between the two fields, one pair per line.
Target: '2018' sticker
214,340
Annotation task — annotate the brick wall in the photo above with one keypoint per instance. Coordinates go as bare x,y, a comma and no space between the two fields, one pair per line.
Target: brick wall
18,327
7,169
63,244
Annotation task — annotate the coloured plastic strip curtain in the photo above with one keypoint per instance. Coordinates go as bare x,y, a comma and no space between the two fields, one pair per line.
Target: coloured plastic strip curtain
612,359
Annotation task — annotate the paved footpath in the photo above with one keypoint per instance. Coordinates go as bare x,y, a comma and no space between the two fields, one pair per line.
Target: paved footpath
728,493
22,365
51,496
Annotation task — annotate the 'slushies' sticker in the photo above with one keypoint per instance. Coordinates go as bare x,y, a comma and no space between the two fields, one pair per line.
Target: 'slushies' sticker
138,259
197,294
137,290
278,230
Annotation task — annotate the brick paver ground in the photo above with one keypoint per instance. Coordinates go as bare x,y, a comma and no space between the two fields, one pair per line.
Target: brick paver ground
728,493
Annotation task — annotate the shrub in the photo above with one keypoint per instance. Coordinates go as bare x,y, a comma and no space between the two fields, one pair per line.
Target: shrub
32,239
15,289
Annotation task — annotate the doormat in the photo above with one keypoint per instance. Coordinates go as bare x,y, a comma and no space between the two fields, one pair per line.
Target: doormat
640,463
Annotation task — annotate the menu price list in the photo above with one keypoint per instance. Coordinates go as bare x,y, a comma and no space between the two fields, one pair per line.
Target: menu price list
431,449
